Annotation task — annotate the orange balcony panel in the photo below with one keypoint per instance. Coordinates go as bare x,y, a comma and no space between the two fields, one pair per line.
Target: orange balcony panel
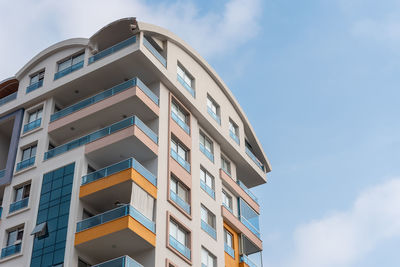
229,182
118,178
239,227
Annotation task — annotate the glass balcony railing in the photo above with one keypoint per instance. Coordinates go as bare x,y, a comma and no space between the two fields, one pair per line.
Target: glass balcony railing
187,86
34,86
124,261
134,120
207,153
253,229
25,163
248,192
178,200
154,51
8,98
2,173
254,158
23,203
208,189
180,160
227,207
10,250
179,247
104,95
209,229
180,122
120,166
115,214
32,125
229,250
68,70
245,259
112,49
234,137
214,116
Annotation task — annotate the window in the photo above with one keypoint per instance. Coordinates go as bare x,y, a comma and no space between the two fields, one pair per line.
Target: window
179,194
226,200
180,117
180,154
22,192
70,62
15,236
207,182
179,238
207,259
234,131
34,120
208,221
226,165
206,146
37,78
213,109
186,79
36,115
29,152
249,217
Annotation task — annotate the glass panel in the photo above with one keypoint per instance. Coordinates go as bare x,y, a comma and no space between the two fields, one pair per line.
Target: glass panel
64,65
78,58
12,237
34,79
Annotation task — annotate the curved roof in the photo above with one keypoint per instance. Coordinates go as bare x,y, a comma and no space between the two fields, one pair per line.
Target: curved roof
8,86
50,51
196,56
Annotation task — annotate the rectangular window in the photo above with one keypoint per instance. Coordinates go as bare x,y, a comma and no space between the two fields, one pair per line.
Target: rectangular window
226,165
213,109
22,192
227,200
35,115
179,194
29,152
228,238
207,182
207,258
70,61
179,239
36,78
208,222
179,115
186,79
234,131
180,154
15,236
206,146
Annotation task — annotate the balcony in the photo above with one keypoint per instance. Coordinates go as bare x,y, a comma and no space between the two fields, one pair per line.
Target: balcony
248,192
207,189
234,137
10,250
139,143
154,51
8,98
209,229
229,250
112,49
32,125
34,86
23,203
124,261
180,202
255,159
187,86
180,160
2,173
117,228
207,153
246,260
249,225
25,164
213,115
180,122
185,251
68,70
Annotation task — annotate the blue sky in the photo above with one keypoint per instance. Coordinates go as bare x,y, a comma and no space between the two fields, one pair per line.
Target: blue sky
318,80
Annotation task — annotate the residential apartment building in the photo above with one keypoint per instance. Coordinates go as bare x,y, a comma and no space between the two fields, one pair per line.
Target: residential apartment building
126,149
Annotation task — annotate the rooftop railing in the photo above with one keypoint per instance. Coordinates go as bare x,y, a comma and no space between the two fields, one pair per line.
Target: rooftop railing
134,120
68,70
8,98
117,167
104,95
112,49
115,214
154,51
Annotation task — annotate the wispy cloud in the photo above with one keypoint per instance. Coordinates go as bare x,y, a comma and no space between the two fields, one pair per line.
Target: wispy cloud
27,27
342,238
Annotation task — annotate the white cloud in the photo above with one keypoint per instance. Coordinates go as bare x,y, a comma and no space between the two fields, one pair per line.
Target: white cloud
342,238
27,27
